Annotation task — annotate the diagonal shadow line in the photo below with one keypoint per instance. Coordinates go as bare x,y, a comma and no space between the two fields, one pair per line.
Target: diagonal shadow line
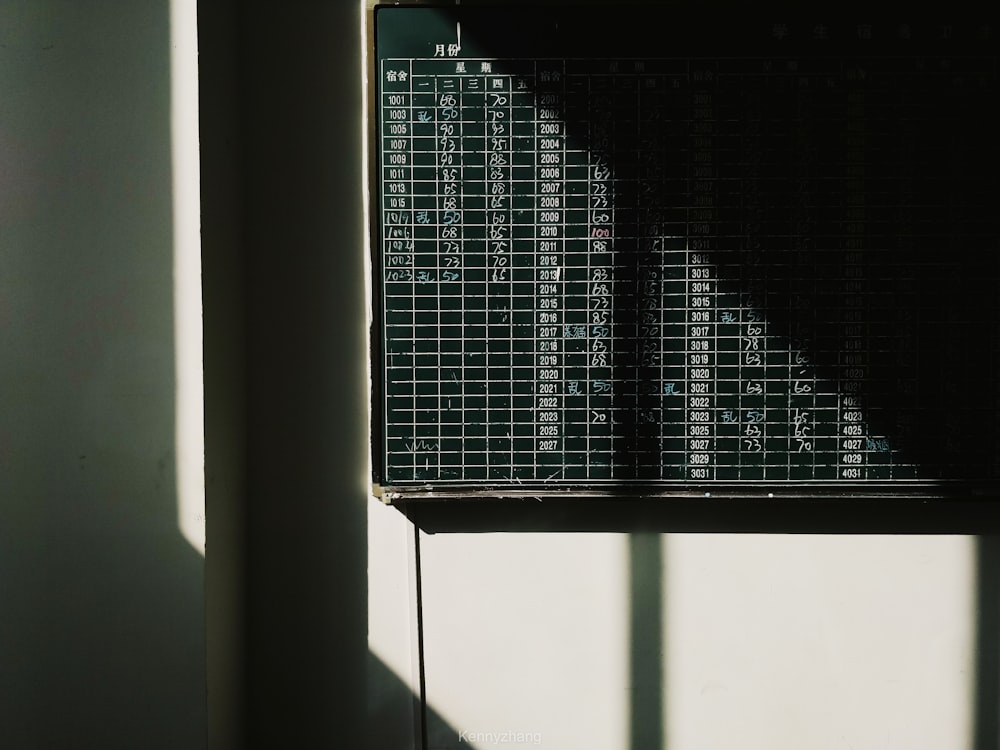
389,703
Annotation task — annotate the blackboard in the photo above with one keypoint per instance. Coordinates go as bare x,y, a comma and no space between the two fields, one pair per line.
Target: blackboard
725,254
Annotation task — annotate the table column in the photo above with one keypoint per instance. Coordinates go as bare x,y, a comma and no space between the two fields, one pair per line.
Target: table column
575,274
802,272
602,283
750,453
429,163
455,128
701,290
664,137
853,356
767,291
549,302
523,206
463,280
500,302
396,253
739,348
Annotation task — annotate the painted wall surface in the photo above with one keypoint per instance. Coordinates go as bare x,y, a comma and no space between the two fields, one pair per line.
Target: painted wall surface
689,641
101,597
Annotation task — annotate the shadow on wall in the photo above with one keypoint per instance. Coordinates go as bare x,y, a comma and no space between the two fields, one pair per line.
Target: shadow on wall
396,720
101,601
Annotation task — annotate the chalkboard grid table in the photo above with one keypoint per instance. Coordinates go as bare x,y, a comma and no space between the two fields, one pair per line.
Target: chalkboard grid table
753,270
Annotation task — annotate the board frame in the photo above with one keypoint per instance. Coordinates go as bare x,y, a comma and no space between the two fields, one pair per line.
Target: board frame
923,492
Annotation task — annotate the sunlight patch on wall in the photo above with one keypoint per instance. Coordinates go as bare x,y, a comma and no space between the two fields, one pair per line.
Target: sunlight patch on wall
785,642
189,424
525,638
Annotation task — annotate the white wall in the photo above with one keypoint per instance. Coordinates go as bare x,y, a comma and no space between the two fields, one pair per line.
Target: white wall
819,641
761,641
101,597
